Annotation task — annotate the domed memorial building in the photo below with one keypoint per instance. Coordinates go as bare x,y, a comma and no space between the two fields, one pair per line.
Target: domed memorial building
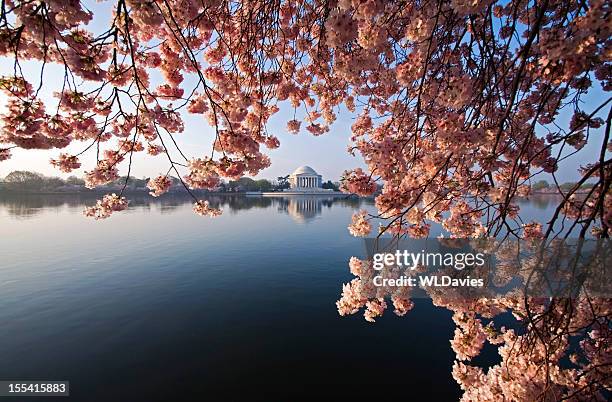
305,178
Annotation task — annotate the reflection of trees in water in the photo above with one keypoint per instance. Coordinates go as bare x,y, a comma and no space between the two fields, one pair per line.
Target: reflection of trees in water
22,211
237,203
541,201
302,208
30,205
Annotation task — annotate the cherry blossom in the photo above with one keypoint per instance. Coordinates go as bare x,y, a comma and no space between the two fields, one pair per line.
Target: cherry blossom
374,308
293,126
5,154
159,185
105,172
106,206
66,163
154,149
357,266
358,182
203,208
532,230
360,227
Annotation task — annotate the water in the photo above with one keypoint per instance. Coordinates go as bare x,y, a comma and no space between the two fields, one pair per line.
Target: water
159,304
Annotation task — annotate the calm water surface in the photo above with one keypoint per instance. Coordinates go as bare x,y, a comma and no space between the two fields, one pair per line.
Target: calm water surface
159,304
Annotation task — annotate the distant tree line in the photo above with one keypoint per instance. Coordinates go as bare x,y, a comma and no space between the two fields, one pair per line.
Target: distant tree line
544,186
247,184
23,180
282,183
27,181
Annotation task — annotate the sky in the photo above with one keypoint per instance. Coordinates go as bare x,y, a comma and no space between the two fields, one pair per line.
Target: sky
327,154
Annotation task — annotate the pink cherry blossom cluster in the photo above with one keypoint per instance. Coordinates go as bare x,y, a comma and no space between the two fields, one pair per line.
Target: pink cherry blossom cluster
374,308
5,154
66,163
104,173
203,174
293,126
358,182
360,226
203,208
341,28
154,149
352,298
402,305
357,266
106,206
159,185
469,336
532,230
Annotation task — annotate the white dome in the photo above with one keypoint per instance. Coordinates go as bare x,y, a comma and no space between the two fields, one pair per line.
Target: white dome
304,170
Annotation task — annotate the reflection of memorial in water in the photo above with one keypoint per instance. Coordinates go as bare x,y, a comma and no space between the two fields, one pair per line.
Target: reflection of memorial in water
304,209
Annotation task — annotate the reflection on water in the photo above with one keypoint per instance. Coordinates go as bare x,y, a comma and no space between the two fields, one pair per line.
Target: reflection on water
541,201
305,208
302,208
